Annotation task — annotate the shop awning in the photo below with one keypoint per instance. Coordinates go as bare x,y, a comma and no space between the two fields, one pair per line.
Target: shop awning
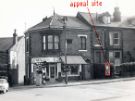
73,60
47,59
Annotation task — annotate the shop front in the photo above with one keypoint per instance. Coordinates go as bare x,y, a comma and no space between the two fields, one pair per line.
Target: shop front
51,69
45,69
75,66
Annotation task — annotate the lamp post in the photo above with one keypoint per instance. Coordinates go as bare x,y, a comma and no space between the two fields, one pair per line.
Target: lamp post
65,53
66,69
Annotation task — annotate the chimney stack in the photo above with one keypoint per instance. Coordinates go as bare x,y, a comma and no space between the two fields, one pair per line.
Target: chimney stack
116,15
15,37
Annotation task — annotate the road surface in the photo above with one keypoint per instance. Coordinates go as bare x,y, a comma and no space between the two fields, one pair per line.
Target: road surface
113,91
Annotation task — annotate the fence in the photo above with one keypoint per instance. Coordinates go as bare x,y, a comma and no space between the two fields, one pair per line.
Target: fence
126,69
99,71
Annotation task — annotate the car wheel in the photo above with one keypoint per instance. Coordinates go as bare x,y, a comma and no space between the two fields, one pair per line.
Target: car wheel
4,91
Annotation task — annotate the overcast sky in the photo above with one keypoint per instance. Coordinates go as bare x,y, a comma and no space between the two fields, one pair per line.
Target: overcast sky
22,14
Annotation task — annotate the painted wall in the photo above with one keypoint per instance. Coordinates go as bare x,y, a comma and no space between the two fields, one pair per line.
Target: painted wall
17,61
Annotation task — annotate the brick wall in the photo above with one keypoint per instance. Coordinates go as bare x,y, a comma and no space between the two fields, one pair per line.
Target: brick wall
73,49
128,45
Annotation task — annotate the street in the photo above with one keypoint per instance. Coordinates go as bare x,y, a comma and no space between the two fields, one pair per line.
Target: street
113,91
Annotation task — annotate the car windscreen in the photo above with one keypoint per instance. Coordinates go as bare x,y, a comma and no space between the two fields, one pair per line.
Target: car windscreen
2,81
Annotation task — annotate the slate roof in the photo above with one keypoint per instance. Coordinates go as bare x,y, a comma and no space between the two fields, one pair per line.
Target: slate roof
74,22
121,24
56,21
6,43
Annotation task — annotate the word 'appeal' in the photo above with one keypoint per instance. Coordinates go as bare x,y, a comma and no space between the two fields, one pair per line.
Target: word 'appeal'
86,3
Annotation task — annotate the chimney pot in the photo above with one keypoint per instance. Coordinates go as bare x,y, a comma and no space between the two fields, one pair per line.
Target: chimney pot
15,38
116,14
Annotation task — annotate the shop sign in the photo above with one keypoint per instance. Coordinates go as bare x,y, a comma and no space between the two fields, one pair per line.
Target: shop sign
47,59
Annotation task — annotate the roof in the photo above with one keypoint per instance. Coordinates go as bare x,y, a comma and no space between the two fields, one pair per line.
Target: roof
57,21
6,43
74,22
73,60
123,23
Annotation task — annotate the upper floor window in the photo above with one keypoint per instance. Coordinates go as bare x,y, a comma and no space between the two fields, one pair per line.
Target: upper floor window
27,44
44,42
98,39
83,43
50,42
56,42
115,38
69,41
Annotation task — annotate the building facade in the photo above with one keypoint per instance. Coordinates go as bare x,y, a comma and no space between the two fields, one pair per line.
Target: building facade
12,59
56,45
64,43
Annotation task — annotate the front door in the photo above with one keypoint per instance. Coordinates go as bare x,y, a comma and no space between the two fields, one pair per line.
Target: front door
53,71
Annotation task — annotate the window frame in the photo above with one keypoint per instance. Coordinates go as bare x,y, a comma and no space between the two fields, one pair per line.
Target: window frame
53,42
112,38
27,45
83,46
113,57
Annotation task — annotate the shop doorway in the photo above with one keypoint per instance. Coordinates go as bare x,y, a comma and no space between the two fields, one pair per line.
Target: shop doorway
53,72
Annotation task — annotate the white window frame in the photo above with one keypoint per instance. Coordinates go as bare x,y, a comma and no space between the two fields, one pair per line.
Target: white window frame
111,37
44,42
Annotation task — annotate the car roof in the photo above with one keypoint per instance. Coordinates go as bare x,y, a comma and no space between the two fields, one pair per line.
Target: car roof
3,79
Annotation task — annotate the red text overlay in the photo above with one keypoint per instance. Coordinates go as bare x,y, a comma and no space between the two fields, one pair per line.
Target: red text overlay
85,3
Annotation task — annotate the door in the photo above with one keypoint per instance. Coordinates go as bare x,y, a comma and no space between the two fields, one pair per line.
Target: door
53,71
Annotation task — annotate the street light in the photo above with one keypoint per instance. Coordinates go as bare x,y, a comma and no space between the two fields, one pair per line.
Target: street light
65,53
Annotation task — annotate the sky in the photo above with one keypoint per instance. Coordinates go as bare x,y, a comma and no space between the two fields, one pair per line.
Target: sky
23,14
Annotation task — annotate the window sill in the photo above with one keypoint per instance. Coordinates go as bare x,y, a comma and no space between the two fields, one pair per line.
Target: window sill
82,50
115,45
71,75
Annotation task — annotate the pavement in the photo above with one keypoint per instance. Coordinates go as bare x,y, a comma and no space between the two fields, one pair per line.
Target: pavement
75,83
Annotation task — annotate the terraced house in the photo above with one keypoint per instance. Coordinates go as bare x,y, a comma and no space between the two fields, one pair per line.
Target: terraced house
66,43
116,34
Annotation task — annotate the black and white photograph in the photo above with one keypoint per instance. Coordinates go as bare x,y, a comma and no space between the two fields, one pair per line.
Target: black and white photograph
67,50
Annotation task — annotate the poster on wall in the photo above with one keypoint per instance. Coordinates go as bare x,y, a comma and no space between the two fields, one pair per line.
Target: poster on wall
107,69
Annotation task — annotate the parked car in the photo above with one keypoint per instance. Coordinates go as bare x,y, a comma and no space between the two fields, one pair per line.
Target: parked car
4,86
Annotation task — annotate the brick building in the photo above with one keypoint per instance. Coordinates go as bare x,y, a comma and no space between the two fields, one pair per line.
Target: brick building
56,42
116,34
60,41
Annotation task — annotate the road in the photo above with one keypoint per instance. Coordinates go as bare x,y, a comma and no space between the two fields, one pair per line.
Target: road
113,91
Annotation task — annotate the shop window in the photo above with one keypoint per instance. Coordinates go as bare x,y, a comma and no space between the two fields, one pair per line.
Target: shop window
74,69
